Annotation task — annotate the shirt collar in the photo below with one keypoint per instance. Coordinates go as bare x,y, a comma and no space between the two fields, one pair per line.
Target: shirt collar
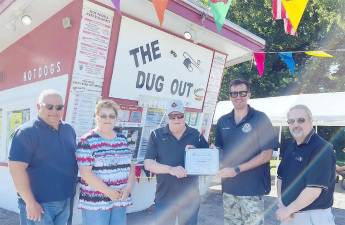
307,138
42,123
250,113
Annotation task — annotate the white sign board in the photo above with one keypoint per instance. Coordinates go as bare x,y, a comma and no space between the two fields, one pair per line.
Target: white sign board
155,63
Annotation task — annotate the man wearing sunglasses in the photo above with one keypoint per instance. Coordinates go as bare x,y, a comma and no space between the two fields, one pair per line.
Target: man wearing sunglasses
306,174
43,165
177,195
245,138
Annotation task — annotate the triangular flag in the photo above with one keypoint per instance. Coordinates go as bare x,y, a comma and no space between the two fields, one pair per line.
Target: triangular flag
116,3
295,9
160,6
260,62
219,9
320,54
288,59
288,27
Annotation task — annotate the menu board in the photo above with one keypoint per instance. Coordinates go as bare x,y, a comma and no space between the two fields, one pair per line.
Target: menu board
213,88
155,117
89,66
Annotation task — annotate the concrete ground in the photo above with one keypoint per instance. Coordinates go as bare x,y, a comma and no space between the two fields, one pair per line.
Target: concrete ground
211,211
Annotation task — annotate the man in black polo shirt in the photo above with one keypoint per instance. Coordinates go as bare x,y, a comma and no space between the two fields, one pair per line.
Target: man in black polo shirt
177,194
245,138
306,174
43,165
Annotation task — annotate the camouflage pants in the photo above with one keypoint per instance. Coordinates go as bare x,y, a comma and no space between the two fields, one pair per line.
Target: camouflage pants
243,210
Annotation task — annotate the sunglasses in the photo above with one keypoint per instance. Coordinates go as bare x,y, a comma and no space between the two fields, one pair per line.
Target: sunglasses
175,116
51,106
234,94
104,116
298,120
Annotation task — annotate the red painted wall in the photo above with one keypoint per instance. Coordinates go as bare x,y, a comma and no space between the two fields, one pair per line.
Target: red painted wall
47,51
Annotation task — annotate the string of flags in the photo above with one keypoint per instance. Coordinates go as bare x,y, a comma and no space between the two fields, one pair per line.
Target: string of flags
287,58
290,11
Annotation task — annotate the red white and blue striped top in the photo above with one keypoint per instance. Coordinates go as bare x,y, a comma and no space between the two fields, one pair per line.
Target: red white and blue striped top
111,162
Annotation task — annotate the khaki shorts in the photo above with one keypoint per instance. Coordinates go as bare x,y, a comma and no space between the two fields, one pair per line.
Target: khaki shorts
312,217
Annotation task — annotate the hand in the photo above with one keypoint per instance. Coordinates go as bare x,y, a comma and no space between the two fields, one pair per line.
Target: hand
178,172
227,172
284,214
213,146
114,195
34,211
125,193
189,147
280,203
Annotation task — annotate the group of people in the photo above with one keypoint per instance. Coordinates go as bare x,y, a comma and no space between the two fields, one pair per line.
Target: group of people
44,160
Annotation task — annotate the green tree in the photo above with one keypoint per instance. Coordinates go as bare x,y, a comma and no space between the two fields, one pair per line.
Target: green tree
322,27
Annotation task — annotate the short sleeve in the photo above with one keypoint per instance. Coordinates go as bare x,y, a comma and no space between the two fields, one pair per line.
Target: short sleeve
218,136
321,168
281,168
84,153
267,137
152,152
22,147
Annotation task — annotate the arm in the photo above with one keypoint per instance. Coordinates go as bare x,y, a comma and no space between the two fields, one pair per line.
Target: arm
159,168
305,198
96,183
21,181
262,158
130,183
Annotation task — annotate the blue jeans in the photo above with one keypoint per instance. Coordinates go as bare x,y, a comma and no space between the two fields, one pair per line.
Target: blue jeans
114,216
55,213
186,214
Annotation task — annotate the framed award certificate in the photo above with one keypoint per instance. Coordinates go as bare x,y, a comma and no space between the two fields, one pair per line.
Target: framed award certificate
202,161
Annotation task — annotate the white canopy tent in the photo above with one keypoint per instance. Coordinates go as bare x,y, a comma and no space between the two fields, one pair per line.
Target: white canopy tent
328,109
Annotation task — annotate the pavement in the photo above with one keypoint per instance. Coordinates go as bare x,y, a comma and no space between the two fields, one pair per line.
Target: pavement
211,211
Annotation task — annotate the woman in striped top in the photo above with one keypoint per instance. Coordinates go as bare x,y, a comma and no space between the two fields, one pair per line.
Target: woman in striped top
105,167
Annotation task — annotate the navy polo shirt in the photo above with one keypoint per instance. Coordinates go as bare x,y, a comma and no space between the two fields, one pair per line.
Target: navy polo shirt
50,154
241,142
310,164
166,149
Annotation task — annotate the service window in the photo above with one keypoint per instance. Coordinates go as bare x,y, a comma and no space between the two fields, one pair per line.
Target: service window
14,120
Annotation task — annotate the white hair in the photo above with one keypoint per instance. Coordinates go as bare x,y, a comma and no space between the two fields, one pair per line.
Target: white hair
304,108
48,92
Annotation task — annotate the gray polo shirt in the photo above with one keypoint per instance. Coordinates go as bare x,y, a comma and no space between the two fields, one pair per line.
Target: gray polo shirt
166,149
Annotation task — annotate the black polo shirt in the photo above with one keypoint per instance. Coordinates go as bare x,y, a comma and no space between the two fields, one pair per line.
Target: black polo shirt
241,142
310,164
50,154
166,149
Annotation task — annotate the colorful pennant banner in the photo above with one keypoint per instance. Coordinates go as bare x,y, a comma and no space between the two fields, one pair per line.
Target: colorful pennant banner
287,58
160,6
219,9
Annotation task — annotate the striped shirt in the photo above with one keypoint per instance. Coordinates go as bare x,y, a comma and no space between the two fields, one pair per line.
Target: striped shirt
111,162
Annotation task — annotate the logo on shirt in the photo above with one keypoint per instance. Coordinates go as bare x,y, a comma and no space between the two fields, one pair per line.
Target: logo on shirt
246,128
299,158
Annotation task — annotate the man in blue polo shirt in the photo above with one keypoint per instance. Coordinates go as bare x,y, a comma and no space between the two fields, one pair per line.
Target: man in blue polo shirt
177,194
306,174
246,139
43,165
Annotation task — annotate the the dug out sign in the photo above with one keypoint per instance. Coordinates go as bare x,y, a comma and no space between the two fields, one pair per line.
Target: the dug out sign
152,62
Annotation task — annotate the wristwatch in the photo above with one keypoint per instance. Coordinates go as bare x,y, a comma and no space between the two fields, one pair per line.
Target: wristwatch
237,169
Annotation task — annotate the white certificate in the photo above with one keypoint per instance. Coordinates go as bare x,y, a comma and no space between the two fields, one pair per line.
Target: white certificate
202,161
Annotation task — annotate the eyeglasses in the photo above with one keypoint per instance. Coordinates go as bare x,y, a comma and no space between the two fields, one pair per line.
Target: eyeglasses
298,120
104,116
175,116
51,106
234,94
